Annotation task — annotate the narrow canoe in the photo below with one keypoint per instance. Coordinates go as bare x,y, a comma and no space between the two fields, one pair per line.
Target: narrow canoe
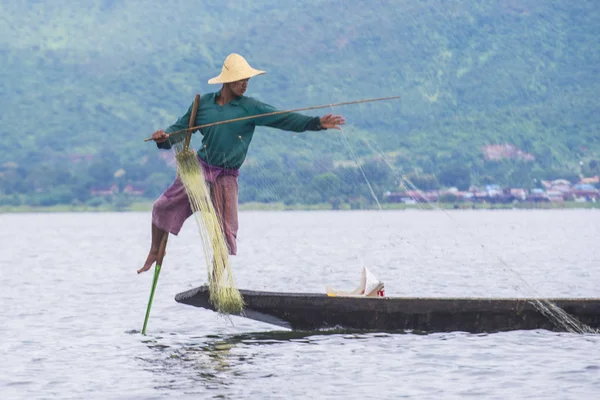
312,311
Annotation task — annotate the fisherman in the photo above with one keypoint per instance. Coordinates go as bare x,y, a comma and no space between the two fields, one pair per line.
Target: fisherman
223,151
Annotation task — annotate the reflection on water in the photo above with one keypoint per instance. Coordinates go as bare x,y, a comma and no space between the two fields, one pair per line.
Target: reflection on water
213,361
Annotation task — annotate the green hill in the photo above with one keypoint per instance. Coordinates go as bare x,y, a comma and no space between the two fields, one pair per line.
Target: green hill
81,86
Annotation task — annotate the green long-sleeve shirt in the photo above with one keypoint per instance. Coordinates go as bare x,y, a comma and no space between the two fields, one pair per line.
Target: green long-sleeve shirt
226,145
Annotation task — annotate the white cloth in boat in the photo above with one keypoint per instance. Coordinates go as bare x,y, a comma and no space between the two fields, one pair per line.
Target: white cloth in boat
369,286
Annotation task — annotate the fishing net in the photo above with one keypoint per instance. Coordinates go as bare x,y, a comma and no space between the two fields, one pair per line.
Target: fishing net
224,295
351,168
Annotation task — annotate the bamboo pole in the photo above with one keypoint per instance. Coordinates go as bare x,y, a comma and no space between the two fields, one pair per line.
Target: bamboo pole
228,121
159,261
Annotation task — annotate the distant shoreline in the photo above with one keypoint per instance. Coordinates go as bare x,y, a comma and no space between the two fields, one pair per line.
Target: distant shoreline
147,207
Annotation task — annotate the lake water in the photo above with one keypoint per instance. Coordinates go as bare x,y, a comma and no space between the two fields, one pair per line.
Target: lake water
72,306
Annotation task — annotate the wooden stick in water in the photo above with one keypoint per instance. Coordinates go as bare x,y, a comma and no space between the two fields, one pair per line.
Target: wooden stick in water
194,128
161,255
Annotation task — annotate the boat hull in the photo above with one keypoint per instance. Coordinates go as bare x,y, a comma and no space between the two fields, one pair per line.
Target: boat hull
310,311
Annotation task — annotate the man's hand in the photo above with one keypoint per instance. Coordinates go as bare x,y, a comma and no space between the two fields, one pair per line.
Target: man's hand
160,136
332,121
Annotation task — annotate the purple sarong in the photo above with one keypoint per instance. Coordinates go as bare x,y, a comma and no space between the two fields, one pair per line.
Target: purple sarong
172,208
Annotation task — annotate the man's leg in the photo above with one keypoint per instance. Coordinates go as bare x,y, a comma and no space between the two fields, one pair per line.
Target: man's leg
224,195
169,212
157,236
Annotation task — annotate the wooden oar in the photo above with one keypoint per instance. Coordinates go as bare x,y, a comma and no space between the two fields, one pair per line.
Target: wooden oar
191,122
159,260
228,121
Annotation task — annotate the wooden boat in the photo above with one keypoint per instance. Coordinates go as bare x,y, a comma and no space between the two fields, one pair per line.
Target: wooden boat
311,311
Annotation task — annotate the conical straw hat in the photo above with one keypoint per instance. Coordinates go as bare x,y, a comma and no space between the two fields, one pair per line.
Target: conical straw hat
235,68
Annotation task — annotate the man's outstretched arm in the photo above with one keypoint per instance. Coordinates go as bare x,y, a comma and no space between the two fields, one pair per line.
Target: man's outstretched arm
295,122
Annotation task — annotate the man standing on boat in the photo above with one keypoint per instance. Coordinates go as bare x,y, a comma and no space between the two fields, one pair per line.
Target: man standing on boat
223,151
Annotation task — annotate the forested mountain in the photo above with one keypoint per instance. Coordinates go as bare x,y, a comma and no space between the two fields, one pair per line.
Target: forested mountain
496,91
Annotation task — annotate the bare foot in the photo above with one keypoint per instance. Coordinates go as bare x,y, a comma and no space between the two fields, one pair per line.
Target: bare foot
152,257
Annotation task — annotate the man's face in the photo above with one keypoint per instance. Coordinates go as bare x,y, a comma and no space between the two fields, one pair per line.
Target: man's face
239,87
